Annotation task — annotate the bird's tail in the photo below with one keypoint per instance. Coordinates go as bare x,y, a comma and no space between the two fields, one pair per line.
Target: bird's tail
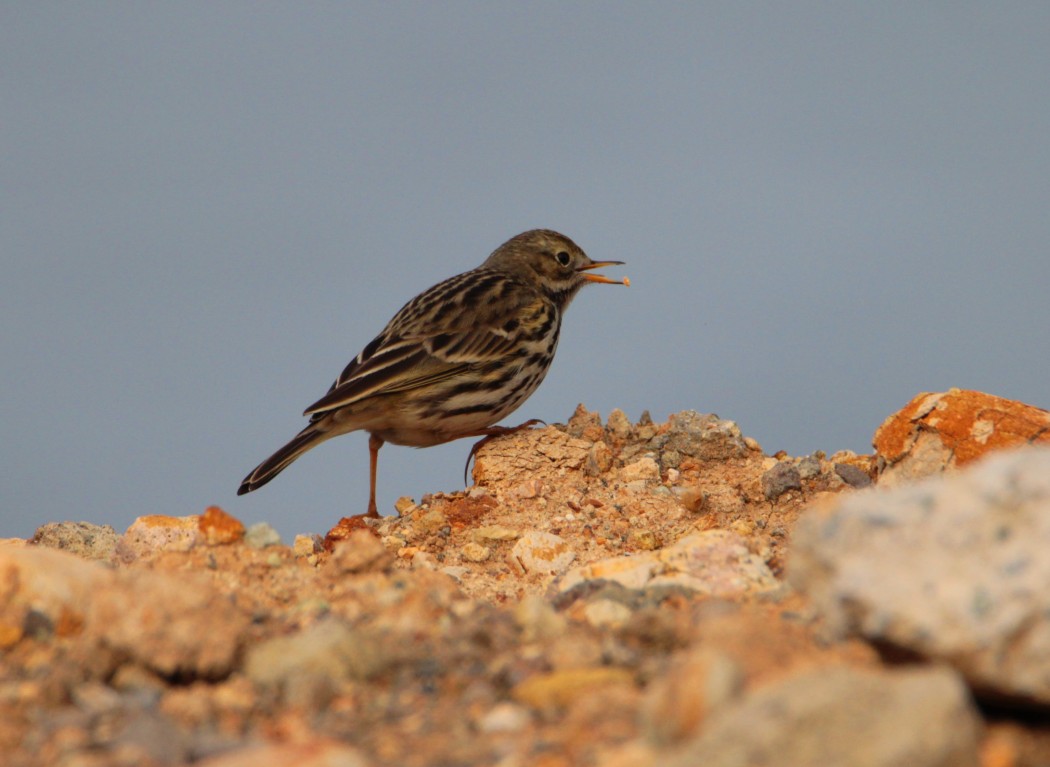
310,437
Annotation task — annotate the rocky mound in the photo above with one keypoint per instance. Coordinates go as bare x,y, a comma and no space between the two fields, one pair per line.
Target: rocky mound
619,594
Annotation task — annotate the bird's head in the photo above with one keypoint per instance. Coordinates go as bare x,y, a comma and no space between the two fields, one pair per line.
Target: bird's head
550,261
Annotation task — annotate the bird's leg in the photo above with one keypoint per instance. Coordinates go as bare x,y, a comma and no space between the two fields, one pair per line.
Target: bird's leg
492,433
374,443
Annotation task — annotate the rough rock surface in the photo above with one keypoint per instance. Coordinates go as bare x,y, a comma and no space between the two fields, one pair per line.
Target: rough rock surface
843,716
953,569
938,432
607,593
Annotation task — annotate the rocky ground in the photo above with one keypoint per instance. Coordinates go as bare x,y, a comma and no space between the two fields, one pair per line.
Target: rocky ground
607,593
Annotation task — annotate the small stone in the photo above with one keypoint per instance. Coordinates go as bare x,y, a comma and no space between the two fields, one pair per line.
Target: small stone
431,522
306,545
530,488
809,467
692,498
219,528
780,479
496,533
599,459
504,717
645,469
618,425
98,542
362,552
154,533
585,424
752,444
475,552
706,437
671,458
261,535
852,476
540,552
405,505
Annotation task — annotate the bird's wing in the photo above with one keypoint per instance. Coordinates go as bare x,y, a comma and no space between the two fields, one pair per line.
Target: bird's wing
444,332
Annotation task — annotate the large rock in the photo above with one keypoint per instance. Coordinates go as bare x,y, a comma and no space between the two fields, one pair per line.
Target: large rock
842,717
952,568
174,625
935,432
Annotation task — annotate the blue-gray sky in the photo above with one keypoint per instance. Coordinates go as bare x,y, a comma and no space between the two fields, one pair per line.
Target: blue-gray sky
208,208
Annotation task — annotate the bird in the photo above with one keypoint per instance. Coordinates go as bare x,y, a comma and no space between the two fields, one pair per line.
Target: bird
455,360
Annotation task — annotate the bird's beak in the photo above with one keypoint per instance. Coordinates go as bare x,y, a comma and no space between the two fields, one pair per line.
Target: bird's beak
602,277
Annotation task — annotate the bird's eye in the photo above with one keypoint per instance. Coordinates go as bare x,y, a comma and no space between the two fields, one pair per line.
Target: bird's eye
563,258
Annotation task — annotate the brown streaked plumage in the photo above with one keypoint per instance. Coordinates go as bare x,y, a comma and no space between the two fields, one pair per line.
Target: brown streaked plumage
456,359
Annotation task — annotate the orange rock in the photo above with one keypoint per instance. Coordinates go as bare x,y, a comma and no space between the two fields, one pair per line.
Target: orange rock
344,528
151,534
935,432
219,528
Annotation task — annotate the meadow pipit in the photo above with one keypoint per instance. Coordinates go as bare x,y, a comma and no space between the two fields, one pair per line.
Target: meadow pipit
456,359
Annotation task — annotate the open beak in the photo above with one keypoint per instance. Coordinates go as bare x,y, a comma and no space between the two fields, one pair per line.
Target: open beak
602,277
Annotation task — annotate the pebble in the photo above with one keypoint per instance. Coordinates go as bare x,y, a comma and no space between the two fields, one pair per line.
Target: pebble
618,424
152,534
496,533
306,545
219,528
540,552
646,540
852,476
405,505
599,459
644,469
360,552
475,552
808,467
706,437
691,498
260,535
430,522
504,717
84,539
780,479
